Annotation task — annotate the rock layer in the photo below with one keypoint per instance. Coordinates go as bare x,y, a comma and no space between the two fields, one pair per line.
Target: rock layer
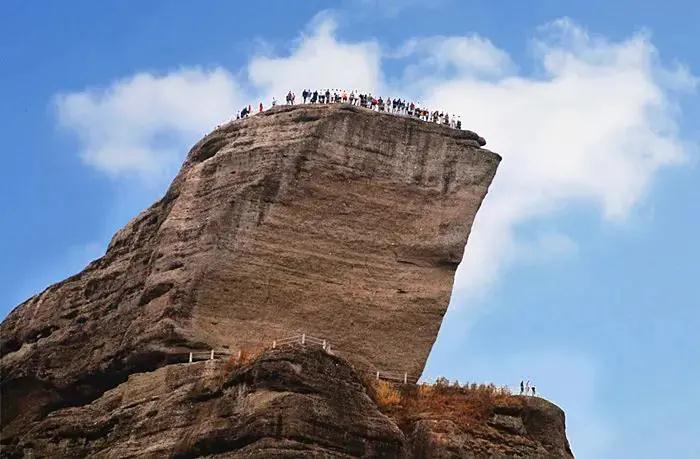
288,403
330,220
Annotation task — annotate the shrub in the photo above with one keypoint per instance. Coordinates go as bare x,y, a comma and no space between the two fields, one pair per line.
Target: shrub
442,382
386,395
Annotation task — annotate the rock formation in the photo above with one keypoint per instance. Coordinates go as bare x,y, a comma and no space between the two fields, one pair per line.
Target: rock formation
331,220
288,403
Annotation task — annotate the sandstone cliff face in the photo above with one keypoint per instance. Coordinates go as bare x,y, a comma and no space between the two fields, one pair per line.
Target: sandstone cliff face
330,220
288,403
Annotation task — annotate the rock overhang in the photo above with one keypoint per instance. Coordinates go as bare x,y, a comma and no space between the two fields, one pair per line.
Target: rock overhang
326,219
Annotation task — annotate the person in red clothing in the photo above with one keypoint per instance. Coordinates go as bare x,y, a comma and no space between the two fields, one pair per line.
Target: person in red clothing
261,106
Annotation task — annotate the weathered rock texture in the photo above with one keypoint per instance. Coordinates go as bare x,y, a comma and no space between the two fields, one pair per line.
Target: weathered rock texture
289,403
330,220
526,427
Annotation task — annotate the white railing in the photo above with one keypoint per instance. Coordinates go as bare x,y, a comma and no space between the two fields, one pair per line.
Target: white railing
404,378
303,340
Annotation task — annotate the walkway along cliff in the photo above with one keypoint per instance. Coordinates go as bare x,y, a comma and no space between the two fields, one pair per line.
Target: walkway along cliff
330,220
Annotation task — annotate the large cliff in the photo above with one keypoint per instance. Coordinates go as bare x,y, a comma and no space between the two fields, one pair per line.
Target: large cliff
330,220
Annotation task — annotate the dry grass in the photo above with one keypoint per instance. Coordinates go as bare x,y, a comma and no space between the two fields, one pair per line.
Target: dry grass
385,394
467,405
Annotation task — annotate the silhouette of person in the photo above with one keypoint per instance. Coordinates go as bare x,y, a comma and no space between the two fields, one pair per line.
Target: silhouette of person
533,391
522,387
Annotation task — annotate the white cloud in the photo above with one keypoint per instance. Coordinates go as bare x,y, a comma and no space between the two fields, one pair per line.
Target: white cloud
319,61
142,124
596,127
433,58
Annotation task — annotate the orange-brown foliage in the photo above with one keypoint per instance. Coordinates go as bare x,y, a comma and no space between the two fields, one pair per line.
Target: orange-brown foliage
466,405
385,394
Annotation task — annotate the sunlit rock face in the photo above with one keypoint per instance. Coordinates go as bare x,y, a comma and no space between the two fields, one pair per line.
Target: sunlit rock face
329,220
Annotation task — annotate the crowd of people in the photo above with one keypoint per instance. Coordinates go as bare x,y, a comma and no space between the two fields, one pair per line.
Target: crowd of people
395,106
527,389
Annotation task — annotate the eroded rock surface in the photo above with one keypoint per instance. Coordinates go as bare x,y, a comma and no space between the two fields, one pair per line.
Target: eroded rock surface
527,427
331,220
288,403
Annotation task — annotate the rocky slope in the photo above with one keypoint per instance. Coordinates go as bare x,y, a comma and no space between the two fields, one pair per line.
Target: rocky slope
287,403
330,220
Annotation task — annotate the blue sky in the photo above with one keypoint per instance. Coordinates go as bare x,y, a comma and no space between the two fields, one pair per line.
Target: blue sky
582,272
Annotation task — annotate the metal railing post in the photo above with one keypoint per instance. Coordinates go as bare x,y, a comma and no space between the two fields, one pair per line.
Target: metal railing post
303,338
190,357
377,375
274,344
212,355
405,378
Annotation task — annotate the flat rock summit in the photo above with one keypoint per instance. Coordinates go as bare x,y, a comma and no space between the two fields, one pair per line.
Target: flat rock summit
327,220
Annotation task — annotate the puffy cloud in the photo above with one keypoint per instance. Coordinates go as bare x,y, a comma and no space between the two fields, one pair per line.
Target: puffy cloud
142,124
319,61
435,58
594,127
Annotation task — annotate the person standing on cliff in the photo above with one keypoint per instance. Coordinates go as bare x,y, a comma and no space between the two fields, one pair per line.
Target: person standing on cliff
522,387
533,391
305,95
